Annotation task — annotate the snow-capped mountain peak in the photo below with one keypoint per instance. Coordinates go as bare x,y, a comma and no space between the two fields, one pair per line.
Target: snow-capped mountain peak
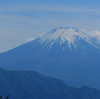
63,34
66,37
66,33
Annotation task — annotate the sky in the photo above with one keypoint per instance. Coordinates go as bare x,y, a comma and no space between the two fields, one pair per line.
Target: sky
24,20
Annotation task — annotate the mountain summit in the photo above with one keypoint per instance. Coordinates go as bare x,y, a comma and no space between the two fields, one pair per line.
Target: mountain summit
63,53
64,36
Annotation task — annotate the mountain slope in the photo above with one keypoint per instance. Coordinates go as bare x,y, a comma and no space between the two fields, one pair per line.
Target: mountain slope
64,53
32,85
29,85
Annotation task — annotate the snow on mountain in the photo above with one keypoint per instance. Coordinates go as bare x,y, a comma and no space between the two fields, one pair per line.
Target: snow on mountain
68,35
64,53
64,34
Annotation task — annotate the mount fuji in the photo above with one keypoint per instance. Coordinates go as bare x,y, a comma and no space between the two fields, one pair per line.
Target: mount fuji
64,53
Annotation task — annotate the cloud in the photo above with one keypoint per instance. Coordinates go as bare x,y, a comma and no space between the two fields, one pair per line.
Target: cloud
18,22
26,8
94,37
95,34
29,39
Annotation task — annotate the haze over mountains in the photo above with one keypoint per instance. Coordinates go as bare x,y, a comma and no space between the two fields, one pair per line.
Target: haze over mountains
32,85
64,53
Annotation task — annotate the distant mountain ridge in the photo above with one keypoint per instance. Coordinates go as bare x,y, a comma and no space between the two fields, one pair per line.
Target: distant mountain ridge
32,85
68,56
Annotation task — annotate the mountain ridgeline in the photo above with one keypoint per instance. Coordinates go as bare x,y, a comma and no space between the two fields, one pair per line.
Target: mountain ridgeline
63,53
32,85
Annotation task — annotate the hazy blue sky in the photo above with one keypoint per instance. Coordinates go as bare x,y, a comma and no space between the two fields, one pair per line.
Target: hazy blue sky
22,20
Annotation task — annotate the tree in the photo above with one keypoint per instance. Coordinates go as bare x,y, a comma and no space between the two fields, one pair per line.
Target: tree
0,97
6,97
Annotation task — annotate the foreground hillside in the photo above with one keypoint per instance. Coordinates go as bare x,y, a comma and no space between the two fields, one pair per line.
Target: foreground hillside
32,85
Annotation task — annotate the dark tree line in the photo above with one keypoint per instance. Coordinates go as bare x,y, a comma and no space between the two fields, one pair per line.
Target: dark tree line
5,98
